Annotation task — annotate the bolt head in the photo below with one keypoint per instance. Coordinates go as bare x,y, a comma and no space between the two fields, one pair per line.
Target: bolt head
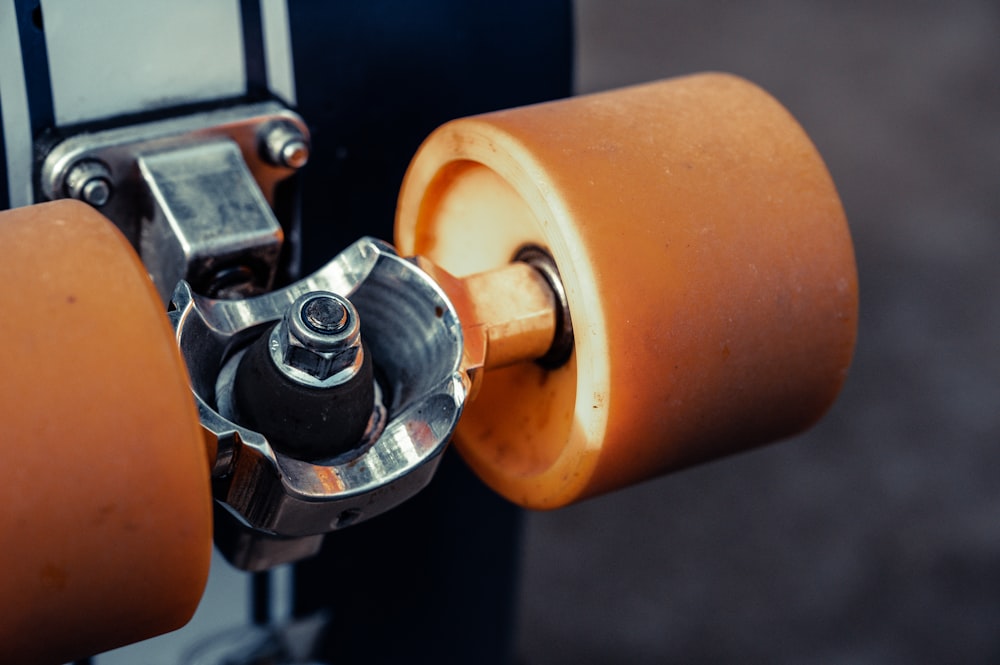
285,145
89,181
96,192
320,337
295,154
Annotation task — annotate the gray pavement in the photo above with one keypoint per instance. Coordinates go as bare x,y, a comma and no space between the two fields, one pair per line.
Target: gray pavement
875,537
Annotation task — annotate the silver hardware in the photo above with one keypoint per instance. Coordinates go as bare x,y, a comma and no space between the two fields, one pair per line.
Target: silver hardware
208,214
89,181
318,342
284,145
327,314
415,338
193,194
563,341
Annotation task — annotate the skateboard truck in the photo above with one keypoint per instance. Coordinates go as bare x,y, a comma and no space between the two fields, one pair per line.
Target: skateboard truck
252,373
193,194
336,395
328,401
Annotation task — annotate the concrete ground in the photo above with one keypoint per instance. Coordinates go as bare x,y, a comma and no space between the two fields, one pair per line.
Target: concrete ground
874,538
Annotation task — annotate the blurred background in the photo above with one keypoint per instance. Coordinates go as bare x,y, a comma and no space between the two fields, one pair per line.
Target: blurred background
875,537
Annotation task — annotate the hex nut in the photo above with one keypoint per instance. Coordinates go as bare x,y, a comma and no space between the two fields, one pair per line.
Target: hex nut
328,351
316,363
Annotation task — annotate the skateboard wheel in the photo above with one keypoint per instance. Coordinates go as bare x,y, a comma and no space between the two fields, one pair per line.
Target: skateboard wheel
106,520
706,261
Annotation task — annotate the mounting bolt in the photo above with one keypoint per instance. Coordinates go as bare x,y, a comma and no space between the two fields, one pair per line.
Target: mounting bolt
320,336
284,145
89,181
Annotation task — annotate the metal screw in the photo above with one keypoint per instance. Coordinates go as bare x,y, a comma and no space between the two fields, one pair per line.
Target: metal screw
318,342
285,145
89,181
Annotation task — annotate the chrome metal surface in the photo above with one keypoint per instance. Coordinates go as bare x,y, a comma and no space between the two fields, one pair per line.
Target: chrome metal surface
562,343
284,145
201,178
307,354
89,181
208,216
251,549
325,314
415,338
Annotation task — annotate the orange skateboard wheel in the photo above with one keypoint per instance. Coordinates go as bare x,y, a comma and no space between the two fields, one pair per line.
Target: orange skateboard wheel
106,519
707,264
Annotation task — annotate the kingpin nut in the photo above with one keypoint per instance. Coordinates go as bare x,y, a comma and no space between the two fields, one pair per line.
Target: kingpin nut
318,343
